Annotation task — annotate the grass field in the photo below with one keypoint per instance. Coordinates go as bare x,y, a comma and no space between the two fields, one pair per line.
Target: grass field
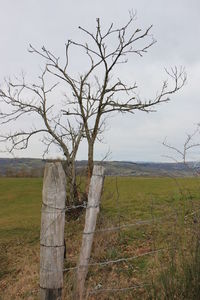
125,200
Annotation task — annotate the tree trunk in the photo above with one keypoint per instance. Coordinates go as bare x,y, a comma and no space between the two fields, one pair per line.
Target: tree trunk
90,165
72,197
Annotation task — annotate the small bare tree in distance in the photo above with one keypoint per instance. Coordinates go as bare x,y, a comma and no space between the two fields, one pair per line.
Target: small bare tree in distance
188,153
95,93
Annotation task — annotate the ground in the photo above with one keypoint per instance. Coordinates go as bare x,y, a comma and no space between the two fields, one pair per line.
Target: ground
167,205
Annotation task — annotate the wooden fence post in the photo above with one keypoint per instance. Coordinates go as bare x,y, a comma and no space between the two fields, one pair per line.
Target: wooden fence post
94,195
52,232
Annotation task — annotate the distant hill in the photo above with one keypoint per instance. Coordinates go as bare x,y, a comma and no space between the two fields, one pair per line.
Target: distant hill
21,167
34,167
149,169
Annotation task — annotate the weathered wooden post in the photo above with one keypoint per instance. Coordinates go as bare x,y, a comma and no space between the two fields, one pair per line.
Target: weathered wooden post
52,232
94,195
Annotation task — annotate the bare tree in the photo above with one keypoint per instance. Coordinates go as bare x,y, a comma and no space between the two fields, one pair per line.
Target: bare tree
23,99
188,153
97,92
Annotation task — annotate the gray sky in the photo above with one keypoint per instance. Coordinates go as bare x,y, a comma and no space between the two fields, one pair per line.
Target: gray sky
176,27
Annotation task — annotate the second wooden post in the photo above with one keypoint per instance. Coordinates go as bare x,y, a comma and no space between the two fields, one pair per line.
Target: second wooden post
92,210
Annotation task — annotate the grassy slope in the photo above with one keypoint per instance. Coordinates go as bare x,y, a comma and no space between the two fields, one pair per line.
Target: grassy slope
137,198
20,202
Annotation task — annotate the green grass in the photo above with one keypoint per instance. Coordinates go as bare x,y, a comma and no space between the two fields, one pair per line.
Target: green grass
138,197
20,203
20,198
124,200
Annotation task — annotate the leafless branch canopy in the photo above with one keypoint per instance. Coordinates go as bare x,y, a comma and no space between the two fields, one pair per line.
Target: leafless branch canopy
24,99
95,92
190,145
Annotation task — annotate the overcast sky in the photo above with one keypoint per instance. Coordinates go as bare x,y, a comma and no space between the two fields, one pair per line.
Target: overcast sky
176,27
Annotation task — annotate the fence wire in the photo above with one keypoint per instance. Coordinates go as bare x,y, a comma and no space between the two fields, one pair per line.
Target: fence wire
102,290
119,260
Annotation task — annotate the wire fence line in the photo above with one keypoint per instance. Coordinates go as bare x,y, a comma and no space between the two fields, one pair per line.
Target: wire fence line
123,226
136,223
119,260
99,289
84,205
69,208
102,290
120,227
66,208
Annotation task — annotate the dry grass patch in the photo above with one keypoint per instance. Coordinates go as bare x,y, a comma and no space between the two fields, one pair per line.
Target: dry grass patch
22,276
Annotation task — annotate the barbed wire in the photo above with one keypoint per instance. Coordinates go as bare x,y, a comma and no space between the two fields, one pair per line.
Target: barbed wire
100,290
119,260
84,205
136,223
72,207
